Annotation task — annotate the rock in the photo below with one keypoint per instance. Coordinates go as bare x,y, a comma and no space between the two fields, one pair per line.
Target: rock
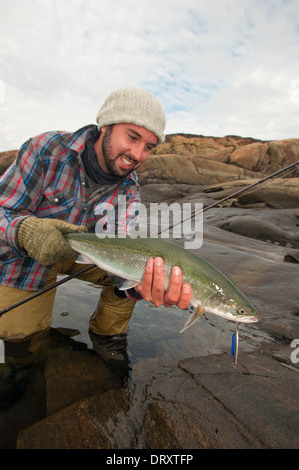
249,154
278,193
192,170
250,226
98,422
182,144
207,160
251,157
283,152
27,410
202,403
292,257
65,383
256,402
266,157
6,158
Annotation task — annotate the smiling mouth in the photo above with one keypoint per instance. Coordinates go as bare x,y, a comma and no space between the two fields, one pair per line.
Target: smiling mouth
126,161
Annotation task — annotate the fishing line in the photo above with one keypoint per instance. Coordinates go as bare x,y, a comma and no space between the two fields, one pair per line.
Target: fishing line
250,379
46,289
248,190
236,387
253,190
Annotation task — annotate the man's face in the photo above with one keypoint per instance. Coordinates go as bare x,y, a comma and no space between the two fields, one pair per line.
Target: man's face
123,148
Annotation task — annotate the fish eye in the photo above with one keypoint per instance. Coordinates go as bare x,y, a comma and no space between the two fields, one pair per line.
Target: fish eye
242,310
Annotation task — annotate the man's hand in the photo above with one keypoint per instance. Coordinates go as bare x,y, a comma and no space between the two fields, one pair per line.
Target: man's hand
152,286
43,240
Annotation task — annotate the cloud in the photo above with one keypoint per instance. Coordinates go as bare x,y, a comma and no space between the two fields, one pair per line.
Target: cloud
218,67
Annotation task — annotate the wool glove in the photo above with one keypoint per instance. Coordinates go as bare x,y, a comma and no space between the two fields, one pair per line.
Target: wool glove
43,239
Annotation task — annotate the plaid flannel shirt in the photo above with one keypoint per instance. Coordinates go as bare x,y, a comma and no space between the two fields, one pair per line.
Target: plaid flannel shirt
48,179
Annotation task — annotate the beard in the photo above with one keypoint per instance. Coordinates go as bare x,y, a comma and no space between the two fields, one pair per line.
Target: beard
110,161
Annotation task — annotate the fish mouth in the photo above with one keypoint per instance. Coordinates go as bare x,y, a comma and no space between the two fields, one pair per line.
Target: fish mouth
250,319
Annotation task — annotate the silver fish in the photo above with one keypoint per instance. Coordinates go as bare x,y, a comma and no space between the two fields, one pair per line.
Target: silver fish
212,291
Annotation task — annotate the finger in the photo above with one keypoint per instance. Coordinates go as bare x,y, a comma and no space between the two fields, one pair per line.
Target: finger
173,293
158,287
185,297
145,288
65,227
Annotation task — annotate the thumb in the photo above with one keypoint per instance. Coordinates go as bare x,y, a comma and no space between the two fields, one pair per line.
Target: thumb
65,227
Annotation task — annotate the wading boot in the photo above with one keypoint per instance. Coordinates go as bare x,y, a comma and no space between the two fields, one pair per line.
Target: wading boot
113,350
110,347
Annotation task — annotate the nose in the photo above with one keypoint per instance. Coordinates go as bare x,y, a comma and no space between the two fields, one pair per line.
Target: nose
139,153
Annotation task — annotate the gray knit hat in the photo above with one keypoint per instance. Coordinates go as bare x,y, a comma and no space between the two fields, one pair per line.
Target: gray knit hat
135,106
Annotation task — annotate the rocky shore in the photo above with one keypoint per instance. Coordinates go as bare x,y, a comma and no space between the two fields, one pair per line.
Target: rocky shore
201,402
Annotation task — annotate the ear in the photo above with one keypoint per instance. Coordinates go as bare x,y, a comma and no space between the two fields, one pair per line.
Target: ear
103,129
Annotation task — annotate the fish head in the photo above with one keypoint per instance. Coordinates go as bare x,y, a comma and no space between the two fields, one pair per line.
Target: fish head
237,308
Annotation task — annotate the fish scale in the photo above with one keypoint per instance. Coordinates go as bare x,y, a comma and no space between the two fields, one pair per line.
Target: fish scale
212,290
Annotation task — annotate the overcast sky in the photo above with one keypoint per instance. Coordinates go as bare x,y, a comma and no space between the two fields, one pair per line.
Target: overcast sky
218,67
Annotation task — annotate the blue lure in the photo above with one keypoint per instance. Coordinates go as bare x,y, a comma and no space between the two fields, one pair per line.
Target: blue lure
235,346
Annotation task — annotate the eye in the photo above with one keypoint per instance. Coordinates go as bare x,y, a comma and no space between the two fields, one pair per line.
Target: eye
242,311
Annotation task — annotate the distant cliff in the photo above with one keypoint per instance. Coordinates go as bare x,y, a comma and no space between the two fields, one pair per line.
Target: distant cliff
210,160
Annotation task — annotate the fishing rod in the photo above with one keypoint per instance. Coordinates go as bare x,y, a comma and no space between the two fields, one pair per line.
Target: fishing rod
88,268
46,289
240,191
237,193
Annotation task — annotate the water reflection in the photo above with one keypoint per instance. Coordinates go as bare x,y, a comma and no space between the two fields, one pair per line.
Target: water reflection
154,331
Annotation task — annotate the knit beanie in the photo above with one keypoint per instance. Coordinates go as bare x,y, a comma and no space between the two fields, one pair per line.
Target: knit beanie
135,106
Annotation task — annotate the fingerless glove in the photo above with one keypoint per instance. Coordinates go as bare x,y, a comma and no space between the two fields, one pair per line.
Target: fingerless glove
43,241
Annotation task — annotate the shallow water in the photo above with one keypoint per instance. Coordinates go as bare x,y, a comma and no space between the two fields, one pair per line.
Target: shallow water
154,334
152,331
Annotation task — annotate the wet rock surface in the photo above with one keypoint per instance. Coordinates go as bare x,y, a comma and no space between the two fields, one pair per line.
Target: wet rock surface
202,401
66,384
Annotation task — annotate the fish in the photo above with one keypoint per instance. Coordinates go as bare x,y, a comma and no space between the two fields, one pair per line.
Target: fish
126,257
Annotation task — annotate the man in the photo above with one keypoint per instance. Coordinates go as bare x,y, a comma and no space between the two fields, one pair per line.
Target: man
59,184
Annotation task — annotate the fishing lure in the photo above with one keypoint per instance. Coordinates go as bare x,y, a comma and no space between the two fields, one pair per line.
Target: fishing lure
235,346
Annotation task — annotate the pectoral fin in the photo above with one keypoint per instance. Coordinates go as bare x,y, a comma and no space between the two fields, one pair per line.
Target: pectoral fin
128,285
83,259
196,315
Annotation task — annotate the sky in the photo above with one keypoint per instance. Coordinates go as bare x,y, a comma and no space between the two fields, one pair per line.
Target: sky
218,67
